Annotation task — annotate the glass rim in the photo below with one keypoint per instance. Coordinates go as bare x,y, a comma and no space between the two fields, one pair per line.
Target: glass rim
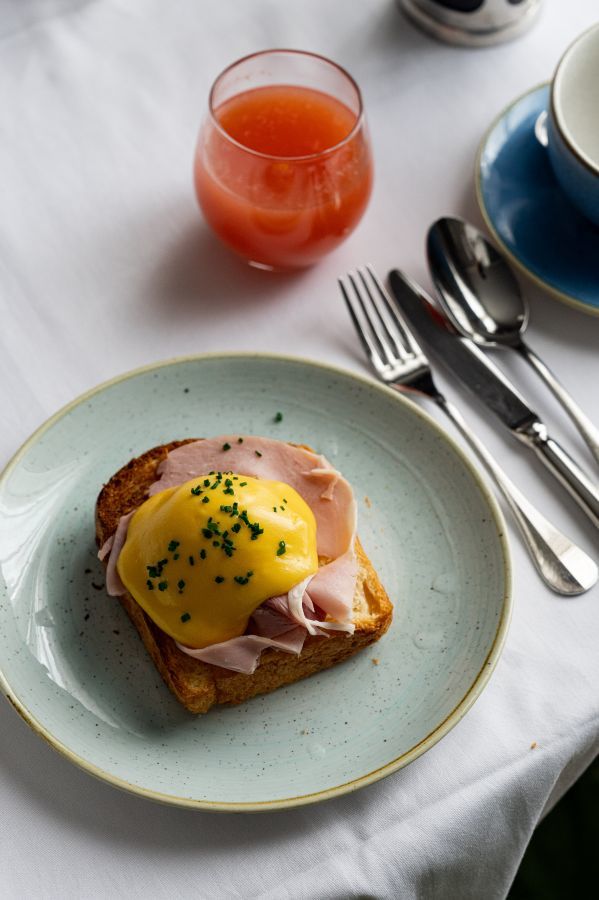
274,157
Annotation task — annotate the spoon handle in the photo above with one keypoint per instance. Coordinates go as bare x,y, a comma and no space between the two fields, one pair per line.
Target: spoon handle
562,565
586,428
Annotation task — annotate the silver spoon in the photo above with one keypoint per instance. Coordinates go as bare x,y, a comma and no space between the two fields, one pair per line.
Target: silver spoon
482,298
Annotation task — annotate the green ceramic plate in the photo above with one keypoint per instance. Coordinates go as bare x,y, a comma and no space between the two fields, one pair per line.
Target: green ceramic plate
74,668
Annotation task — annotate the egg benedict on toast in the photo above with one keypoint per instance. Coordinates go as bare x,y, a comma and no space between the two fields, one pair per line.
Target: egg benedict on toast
237,560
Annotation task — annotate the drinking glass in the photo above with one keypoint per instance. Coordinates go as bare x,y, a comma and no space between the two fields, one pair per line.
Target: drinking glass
283,166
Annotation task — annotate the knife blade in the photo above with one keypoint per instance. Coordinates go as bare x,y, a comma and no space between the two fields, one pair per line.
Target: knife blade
489,384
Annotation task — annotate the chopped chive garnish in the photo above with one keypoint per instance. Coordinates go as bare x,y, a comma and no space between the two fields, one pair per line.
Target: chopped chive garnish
257,452
236,527
180,584
152,571
284,499
274,509
196,491
162,585
226,446
202,554
216,543
242,483
228,482
278,417
192,561
185,617
175,556
150,585
205,499
206,482
219,579
229,491
173,546
241,579
282,548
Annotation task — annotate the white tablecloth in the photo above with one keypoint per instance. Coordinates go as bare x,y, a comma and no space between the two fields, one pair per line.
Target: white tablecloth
105,264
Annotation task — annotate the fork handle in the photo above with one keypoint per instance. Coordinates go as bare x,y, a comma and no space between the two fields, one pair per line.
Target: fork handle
563,566
586,428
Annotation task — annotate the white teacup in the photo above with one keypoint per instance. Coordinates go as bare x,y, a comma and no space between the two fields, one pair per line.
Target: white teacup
573,123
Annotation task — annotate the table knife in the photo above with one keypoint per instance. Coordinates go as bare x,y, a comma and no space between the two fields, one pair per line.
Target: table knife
489,384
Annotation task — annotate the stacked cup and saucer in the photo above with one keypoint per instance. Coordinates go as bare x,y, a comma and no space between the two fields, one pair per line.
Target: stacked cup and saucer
537,178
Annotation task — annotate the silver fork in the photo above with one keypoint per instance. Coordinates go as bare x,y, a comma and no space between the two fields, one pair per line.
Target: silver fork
400,362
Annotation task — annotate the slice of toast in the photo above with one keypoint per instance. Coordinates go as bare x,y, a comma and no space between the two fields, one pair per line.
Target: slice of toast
199,685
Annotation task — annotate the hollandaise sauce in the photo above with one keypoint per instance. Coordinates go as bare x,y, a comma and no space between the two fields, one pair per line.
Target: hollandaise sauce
201,557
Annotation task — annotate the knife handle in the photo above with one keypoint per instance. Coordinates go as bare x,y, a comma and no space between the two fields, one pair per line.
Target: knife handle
563,467
563,566
586,428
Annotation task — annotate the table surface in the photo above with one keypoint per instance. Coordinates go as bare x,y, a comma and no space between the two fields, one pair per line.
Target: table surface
105,264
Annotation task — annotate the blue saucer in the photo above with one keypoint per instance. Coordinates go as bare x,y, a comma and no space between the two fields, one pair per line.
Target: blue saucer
528,214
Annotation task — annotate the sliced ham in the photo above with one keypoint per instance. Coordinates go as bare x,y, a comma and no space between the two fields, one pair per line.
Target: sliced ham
332,588
282,623
105,548
318,605
327,493
268,628
301,599
114,585
241,654
281,605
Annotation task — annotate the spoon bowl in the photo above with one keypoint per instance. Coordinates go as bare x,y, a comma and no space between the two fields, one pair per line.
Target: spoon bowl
482,299
477,289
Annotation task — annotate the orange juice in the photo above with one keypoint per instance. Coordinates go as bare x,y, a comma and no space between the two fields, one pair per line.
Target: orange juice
283,174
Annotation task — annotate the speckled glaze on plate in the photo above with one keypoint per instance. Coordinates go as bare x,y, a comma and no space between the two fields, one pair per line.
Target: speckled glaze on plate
74,668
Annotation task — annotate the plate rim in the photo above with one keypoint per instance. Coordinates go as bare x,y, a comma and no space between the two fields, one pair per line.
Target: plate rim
474,691
556,293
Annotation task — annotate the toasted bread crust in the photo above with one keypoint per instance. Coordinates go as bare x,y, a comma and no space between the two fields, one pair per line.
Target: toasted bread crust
198,685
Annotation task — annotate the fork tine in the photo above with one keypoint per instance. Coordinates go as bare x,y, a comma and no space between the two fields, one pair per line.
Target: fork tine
366,303
392,337
398,320
364,335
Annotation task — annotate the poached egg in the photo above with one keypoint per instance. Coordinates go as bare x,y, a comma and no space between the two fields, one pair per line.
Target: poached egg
202,556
